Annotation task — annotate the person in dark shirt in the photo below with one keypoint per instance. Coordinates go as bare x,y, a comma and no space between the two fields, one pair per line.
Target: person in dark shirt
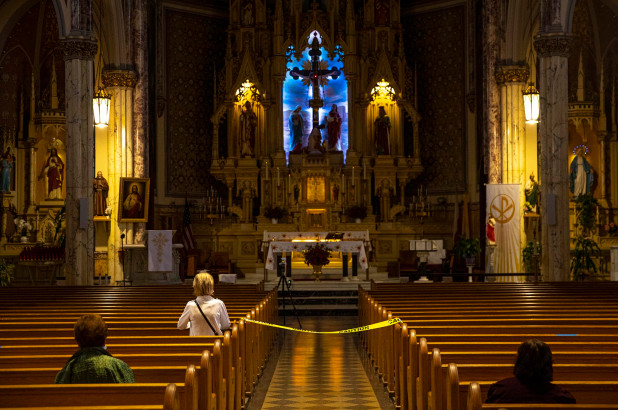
92,363
532,382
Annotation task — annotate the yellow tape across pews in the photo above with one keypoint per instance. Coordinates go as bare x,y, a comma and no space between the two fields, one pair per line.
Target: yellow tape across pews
356,329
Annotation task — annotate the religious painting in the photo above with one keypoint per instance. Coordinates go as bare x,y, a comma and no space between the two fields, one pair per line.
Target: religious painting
297,115
316,189
134,197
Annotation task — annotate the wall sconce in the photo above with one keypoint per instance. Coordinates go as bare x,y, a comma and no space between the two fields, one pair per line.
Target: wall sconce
382,93
532,104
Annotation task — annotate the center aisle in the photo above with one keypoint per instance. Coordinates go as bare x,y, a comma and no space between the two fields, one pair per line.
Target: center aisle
320,371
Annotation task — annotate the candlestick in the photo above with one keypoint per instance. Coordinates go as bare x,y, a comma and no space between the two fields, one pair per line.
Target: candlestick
342,183
278,176
352,176
266,169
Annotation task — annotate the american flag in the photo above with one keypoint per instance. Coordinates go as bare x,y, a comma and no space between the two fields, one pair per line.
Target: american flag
187,233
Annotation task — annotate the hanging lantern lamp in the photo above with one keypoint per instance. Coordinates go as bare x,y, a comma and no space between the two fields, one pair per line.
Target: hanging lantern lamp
532,104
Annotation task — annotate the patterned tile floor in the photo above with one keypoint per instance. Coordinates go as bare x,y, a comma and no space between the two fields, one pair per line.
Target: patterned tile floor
316,371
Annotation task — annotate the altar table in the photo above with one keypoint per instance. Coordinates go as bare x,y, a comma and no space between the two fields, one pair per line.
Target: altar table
357,248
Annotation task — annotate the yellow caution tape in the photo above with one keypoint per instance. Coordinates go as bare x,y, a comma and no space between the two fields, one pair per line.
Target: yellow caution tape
356,329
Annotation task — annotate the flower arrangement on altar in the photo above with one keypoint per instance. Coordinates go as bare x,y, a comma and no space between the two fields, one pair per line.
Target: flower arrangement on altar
317,255
23,227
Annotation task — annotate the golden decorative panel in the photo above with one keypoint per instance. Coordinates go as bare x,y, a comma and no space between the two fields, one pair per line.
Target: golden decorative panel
316,189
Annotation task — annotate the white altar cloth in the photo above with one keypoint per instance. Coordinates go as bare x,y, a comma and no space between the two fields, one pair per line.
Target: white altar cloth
341,246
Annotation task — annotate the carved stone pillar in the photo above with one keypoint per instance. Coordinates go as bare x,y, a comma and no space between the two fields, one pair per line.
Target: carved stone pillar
491,96
79,52
121,84
553,50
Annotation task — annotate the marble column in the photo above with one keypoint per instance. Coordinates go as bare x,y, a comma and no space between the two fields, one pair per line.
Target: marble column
79,52
491,95
140,131
553,50
120,83
512,80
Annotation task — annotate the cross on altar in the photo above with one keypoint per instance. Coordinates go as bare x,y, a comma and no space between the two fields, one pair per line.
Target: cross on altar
314,76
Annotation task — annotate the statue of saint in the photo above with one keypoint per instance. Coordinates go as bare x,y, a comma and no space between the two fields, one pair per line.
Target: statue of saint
491,231
7,164
296,193
382,12
296,125
531,190
314,143
248,125
247,201
382,130
333,126
247,13
101,188
336,193
54,170
385,200
581,178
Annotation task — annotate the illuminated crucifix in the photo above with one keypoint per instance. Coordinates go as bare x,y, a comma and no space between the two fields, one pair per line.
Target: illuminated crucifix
315,74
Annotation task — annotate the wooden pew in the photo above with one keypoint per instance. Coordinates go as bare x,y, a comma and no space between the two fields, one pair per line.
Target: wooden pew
589,395
140,327
446,378
171,401
112,394
370,310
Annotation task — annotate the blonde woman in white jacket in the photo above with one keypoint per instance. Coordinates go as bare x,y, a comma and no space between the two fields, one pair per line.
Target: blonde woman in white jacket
205,315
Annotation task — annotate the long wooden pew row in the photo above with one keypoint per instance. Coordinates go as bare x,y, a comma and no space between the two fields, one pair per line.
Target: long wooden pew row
377,313
593,395
112,394
445,391
171,401
230,367
246,372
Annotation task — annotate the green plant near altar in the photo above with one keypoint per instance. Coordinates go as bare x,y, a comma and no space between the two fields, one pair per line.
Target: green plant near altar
6,272
587,251
467,247
317,255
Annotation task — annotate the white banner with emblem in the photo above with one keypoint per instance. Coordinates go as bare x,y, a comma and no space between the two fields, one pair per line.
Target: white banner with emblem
503,206
159,251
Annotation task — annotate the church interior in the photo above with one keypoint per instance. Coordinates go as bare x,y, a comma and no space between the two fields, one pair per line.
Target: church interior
396,119
421,188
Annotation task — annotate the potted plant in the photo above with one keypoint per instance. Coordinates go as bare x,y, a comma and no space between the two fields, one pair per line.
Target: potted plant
317,256
274,213
357,213
467,248
587,251
6,272
532,250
